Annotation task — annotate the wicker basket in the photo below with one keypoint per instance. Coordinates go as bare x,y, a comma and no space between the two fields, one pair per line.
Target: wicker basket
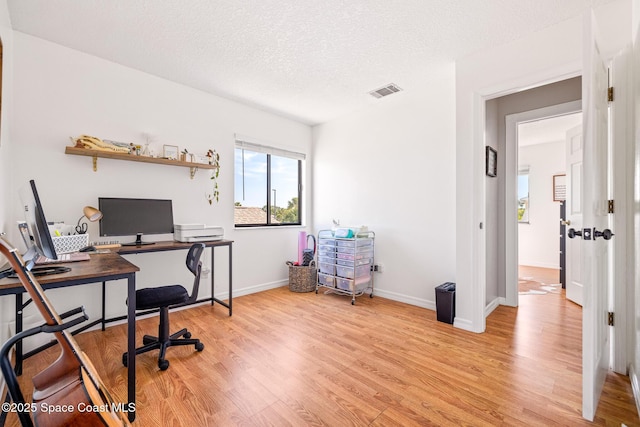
303,278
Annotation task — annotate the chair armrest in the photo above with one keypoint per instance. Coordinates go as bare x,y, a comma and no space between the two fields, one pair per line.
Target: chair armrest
5,362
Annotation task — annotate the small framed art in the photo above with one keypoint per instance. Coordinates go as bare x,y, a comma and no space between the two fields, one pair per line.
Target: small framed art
170,152
491,161
559,188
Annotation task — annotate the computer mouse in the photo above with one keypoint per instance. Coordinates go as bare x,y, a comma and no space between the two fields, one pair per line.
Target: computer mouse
88,249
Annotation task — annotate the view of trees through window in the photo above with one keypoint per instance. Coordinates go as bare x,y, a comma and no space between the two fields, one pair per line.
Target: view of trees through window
267,189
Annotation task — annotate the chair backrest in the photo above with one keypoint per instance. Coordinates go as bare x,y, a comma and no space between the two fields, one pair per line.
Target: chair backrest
194,264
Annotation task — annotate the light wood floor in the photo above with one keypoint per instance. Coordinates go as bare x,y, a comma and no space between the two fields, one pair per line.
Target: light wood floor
296,359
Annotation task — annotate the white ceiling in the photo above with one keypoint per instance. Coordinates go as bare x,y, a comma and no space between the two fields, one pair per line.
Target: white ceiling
305,59
547,130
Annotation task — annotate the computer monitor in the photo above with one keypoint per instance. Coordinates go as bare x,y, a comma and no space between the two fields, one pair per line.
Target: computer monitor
128,217
40,236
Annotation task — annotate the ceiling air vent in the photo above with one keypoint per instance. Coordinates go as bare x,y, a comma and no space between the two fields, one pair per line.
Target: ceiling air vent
384,91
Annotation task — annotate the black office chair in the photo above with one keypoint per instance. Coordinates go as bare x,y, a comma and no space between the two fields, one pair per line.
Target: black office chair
164,297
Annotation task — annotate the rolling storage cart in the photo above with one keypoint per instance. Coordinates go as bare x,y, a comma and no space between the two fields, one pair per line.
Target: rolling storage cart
345,264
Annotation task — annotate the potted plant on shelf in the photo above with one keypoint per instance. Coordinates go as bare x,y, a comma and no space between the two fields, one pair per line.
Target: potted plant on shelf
214,159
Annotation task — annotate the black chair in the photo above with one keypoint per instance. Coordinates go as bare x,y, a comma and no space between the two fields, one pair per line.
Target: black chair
162,298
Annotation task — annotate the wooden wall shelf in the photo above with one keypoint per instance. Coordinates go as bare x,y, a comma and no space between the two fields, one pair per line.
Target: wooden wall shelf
193,167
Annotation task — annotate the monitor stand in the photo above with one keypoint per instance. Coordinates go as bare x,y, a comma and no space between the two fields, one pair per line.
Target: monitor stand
138,241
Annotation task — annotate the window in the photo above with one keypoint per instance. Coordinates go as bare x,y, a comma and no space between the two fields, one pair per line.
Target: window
523,194
268,183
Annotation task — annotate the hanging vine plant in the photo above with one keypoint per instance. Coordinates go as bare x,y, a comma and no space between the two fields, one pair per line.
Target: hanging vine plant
214,159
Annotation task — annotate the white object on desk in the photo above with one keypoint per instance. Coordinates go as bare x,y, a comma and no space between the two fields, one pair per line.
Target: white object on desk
197,232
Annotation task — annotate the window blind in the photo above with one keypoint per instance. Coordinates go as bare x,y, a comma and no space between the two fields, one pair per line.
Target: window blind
253,145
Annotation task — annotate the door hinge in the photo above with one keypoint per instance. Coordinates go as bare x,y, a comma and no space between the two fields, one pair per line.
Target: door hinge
610,94
610,321
611,206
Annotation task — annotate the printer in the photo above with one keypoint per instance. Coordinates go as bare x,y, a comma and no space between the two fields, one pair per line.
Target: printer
196,232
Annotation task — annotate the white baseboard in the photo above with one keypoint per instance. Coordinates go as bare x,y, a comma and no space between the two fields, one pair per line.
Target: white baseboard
465,324
419,302
492,306
253,289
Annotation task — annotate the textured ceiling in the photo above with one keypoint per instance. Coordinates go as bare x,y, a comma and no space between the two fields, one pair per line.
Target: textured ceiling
305,59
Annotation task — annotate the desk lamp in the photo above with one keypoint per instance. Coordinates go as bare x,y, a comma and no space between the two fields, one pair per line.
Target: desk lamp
92,214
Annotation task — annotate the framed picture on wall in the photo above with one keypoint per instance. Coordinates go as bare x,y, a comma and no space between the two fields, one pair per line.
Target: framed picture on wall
559,188
491,161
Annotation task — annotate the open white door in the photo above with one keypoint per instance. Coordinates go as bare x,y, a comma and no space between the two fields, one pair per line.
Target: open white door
573,214
595,248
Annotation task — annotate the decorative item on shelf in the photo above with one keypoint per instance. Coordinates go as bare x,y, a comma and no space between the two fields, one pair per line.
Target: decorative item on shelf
90,213
183,155
214,159
94,143
170,152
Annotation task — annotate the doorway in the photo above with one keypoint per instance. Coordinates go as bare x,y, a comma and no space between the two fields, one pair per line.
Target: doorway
541,192
542,164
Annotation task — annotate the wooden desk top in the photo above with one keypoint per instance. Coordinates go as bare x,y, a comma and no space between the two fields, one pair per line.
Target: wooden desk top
169,245
100,266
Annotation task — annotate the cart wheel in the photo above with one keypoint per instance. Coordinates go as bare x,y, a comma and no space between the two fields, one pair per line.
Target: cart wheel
187,335
353,302
199,346
371,295
316,291
163,365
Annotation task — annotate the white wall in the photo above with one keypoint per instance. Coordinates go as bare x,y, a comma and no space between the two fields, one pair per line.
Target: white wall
551,55
392,168
634,296
538,240
59,93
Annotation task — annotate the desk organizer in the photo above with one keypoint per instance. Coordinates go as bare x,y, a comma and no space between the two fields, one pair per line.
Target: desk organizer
68,244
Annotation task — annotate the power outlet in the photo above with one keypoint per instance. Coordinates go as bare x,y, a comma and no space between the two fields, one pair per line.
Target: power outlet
377,268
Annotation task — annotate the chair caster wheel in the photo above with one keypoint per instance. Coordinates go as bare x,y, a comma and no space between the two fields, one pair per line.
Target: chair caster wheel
125,359
187,335
199,346
353,302
163,365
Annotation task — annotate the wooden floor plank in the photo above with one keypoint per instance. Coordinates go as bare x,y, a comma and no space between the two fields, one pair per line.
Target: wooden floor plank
301,359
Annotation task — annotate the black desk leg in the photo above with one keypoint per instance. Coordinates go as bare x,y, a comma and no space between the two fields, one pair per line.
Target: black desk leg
104,295
131,345
213,273
230,276
19,326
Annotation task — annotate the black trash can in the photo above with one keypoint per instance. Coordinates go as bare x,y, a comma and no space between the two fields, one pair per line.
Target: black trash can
446,302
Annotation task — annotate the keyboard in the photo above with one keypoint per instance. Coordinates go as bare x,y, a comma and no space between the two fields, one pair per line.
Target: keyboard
72,257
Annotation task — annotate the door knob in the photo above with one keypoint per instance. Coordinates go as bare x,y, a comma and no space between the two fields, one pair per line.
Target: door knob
565,221
606,234
573,233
